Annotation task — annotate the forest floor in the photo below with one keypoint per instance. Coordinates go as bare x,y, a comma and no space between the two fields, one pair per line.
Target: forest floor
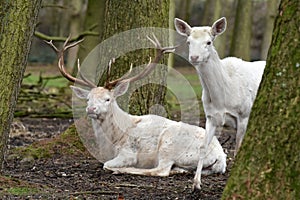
67,171
45,163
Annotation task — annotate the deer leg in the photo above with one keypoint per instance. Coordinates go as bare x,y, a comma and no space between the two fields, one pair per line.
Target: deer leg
197,177
178,170
123,159
241,129
163,169
210,130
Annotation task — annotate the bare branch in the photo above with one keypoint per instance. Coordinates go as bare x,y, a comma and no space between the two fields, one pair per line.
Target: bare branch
63,39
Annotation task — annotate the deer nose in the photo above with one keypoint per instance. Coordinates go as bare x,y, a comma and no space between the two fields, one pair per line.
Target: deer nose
91,110
194,58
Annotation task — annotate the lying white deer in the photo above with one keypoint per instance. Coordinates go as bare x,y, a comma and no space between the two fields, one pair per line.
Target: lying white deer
146,145
229,85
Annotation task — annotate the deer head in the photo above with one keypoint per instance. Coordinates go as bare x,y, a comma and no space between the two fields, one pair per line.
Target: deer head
200,39
100,99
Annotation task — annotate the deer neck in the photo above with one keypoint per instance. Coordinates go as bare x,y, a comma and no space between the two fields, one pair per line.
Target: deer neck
116,124
213,79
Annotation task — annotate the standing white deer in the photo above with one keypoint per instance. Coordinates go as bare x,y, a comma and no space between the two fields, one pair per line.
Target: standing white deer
229,85
146,145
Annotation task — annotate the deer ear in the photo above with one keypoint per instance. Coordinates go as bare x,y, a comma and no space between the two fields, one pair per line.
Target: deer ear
182,27
219,26
121,89
79,92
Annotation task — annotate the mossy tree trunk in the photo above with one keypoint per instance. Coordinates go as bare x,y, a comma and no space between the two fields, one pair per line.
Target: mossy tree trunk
94,21
18,19
268,163
241,39
126,15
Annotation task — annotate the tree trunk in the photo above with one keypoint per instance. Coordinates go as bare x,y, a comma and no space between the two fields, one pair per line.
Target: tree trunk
184,10
241,39
18,19
76,12
272,7
224,9
268,163
171,27
126,15
94,21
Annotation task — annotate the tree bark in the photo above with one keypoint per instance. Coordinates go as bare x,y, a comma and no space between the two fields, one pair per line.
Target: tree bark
272,7
224,9
184,10
241,39
18,19
94,21
76,12
171,27
268,163
126,15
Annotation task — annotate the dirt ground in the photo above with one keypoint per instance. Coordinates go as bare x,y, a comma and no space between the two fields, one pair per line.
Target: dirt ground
80,176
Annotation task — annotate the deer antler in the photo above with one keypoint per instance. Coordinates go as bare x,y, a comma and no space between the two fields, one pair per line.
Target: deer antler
160,51
60,53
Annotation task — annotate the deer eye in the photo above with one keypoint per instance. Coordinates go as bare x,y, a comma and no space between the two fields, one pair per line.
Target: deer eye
107,99
188,42
208,43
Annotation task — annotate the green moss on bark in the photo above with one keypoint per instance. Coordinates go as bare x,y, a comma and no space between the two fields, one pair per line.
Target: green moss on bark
17,20
268,164
126,15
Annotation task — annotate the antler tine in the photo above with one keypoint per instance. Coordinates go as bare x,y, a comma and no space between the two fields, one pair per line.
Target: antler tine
111,61
66,42
149,68
142,74
151,65
110,84
154,41
159,54
61,66
157,44
83,77
52,45
73,44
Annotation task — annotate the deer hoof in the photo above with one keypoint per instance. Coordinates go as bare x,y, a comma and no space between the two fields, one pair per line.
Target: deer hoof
196,186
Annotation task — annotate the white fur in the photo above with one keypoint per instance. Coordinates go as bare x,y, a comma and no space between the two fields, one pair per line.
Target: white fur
229,85
149,144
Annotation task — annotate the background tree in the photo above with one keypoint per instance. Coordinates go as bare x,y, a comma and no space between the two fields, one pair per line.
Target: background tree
268,164
17,27
76,12
272,7
94,21
213,11
184,9
172,10
126,15
241,38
